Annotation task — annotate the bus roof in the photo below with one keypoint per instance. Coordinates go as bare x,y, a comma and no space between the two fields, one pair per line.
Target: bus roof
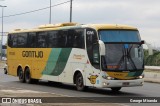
73,25
110,26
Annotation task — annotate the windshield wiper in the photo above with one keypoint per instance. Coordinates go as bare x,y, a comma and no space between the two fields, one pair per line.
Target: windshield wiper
129,58
126,55
122,58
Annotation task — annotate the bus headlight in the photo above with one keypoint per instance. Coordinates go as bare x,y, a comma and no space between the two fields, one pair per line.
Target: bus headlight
108,77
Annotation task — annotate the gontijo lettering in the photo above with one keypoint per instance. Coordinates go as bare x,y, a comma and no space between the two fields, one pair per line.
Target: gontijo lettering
34,54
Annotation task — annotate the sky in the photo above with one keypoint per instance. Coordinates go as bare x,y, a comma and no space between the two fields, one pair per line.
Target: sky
142,14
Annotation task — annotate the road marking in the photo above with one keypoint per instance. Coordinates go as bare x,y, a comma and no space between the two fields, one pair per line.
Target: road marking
61,95
3,81
21,90
123,104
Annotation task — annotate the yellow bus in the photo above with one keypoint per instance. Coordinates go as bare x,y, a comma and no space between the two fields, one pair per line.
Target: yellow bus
92,55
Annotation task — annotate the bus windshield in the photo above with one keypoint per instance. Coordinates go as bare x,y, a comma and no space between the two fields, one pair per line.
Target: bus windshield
123,50
119,36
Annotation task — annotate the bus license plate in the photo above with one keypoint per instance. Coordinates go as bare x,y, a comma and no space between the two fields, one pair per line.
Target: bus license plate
125,83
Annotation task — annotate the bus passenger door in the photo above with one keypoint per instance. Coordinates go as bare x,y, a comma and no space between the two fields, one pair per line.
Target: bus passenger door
93,65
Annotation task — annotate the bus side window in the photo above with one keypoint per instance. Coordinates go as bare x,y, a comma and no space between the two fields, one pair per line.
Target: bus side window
52,39
31,40
79,38
22,40
41,39
93,47
70,38
62,38
75,38
14,40
10,40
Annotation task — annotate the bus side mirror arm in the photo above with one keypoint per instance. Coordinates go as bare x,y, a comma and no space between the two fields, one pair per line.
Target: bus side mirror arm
102,48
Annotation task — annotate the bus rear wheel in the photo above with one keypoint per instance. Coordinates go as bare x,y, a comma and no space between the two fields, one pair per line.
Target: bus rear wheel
79,82
28,78
21,75
116,89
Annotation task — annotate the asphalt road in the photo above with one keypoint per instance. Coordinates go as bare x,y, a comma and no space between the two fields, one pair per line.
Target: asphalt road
148,90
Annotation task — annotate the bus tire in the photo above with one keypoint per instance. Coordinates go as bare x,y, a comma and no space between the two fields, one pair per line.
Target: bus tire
5,71
21,75
28,78
79,82
116,89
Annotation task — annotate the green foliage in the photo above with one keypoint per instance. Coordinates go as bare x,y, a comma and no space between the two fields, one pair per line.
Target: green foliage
152,60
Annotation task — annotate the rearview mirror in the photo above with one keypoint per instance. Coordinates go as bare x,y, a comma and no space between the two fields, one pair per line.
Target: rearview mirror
102,48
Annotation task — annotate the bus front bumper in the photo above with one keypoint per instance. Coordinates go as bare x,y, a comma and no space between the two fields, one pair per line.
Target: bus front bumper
122,83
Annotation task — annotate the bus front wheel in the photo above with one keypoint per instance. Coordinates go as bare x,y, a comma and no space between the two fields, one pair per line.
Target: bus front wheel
79,82
21,75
